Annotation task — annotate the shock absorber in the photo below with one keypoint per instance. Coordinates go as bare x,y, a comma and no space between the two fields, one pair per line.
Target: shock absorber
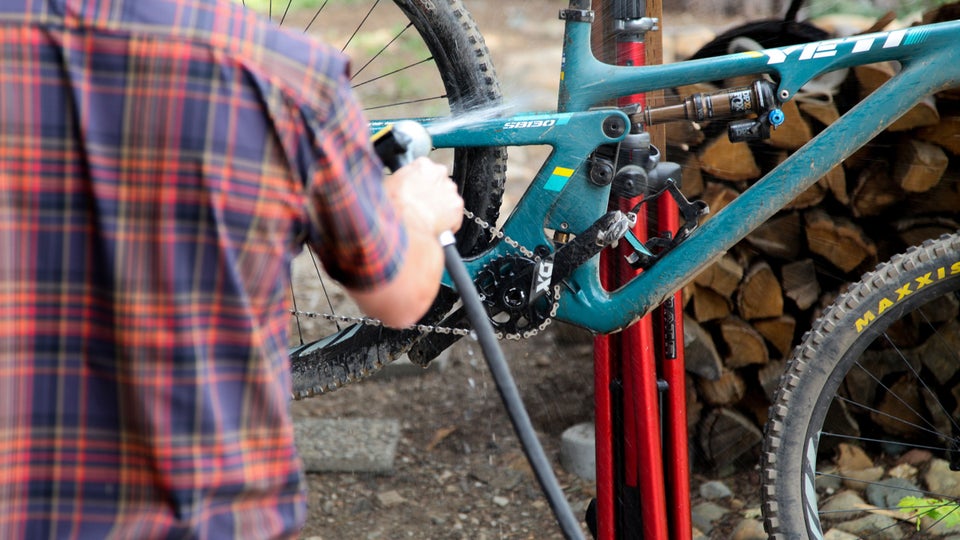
757,98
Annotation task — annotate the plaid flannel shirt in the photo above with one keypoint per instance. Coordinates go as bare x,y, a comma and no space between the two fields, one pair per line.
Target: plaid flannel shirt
157,160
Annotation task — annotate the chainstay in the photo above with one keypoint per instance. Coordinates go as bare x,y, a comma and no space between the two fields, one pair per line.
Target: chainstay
463,332
427,328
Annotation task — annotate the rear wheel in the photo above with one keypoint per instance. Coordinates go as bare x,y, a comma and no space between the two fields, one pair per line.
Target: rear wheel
410,58
864,434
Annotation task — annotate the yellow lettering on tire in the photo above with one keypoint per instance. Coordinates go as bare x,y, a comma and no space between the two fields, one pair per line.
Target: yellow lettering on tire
865,321
902,292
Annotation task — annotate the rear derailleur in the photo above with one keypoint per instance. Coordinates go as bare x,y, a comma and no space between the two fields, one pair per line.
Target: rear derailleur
633,169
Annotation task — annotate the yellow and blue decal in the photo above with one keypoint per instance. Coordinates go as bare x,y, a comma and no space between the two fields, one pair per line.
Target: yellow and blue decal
558,179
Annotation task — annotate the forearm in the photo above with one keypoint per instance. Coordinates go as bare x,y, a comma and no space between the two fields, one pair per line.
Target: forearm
427,203
403,300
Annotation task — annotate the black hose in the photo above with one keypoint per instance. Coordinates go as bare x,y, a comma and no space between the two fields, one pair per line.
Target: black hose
477,315
397,145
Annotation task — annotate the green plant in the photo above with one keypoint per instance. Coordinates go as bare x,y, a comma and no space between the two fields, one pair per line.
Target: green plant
939,510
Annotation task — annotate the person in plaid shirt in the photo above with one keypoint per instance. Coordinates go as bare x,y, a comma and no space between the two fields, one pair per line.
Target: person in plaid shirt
159,161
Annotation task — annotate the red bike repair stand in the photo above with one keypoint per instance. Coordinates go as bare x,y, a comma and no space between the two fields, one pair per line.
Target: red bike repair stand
639,383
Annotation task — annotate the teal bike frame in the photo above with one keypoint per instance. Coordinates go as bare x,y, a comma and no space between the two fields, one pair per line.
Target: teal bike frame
562,198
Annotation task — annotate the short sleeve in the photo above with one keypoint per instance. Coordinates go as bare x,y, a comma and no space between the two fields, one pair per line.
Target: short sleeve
355,229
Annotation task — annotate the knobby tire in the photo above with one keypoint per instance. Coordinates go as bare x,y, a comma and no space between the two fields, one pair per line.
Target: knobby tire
875,373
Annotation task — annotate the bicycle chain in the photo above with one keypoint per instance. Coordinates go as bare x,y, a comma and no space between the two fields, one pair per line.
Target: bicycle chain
426,328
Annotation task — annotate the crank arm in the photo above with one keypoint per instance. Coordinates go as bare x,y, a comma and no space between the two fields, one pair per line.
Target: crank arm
559,265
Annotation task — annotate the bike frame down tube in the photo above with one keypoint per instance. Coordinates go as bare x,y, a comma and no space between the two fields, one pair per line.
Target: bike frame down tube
930,59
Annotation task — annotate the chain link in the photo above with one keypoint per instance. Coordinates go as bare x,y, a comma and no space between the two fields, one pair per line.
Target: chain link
422,328
497,233
426,328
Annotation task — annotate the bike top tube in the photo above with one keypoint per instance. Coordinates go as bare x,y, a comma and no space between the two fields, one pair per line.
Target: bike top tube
587,82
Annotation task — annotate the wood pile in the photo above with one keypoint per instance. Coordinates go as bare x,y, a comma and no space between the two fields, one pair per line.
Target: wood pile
746,312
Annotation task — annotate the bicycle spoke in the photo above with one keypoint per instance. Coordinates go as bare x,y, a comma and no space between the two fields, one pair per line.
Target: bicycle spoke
394,72
942,518
830,513
868,482
890,392
315,15
897,513
296,310
373,17
919,378
887,392
359,26
881,441
323,285
285,11
890,416
408,102
384,48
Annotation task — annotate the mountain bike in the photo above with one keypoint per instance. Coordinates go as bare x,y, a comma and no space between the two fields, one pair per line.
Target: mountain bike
541,262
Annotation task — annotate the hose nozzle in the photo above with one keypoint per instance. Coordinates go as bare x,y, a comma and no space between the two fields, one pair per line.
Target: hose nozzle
400,143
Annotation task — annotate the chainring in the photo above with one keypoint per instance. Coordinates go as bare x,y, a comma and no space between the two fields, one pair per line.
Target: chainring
505,285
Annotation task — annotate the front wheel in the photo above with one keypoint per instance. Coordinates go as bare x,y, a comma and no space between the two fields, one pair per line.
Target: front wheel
864,435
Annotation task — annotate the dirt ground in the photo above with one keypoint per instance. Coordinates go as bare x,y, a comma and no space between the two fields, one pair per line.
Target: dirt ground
460,472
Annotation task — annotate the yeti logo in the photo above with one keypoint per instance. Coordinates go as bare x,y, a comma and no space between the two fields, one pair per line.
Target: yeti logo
854,44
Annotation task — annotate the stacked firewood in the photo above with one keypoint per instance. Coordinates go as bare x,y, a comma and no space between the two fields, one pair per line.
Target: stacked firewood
744,313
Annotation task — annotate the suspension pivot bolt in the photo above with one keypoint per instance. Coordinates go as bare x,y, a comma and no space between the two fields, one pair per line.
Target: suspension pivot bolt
614,127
